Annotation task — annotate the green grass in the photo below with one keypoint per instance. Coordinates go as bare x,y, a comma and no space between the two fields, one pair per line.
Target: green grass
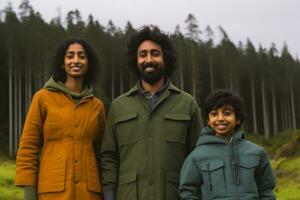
8,191
286,169
287,172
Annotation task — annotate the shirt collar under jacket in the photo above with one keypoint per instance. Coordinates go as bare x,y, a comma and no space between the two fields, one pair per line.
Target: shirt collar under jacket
152,99
148,95
135,89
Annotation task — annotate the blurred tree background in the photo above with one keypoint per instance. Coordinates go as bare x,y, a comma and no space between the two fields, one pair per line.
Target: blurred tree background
265,77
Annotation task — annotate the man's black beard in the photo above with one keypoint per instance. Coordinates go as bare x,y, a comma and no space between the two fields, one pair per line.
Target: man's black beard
151,77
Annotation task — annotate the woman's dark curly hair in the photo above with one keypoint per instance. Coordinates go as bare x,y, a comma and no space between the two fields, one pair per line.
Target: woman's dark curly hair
59,73
220,98
153,34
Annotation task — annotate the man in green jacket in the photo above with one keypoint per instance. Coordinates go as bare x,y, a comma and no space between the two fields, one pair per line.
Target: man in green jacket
150,129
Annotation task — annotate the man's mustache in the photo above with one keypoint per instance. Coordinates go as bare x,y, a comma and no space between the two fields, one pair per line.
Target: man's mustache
150,64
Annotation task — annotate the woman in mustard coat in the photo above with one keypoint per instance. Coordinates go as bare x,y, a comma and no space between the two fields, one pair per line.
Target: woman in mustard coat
56,159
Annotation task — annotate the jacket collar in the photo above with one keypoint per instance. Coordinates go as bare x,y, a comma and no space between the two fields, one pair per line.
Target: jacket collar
135,89
58,86
207,136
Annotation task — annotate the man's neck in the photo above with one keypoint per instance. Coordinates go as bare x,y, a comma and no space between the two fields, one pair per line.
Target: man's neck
154,87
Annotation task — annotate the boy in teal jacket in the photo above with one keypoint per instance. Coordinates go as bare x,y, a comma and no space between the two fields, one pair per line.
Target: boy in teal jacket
225,166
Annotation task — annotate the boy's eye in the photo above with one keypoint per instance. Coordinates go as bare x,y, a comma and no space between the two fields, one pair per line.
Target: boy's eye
82,56
213,113
227,112
69,56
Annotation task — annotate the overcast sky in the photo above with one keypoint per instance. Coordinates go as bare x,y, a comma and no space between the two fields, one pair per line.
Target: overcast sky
263,21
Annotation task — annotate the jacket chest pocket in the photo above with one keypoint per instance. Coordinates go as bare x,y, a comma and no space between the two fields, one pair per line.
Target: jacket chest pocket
176,126
55,123
248,164
213,177
126,127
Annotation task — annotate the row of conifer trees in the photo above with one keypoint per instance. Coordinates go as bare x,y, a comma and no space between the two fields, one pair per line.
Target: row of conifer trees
265,77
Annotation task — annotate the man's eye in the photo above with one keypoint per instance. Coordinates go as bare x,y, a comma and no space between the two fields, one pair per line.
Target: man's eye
142,54
155,53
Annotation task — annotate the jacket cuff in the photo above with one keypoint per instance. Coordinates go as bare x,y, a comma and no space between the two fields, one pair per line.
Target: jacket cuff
25,179
109,192
30,193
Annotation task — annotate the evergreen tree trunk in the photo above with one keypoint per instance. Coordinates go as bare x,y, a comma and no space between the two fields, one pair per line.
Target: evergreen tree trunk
287,110
180,68
282,122
265,110
112,83
26,77
181,76
29,87
284,112
41,75
225,72
254,116
10,103
193,73
121,82
19,107
15,124
274,108
292,103
131,80
211,73
230,78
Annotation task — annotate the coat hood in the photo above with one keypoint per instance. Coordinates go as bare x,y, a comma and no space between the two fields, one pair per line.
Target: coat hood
52,85
207,136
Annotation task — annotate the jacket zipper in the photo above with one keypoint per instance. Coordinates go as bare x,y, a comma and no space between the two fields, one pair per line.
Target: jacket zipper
209,178
234,167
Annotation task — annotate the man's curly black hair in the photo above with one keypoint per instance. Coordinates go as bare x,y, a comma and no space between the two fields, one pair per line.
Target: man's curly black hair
222,97
154,34
59,73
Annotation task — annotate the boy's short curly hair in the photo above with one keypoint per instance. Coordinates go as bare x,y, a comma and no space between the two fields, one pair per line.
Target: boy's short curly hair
222,97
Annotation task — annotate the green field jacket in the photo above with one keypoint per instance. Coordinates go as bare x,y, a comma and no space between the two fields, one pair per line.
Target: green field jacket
226,169
143,149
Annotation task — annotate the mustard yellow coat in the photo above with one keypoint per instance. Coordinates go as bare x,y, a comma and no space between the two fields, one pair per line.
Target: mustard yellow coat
58,145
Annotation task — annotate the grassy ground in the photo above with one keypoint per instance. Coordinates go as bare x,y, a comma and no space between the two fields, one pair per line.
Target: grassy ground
288,178
284,151
8,191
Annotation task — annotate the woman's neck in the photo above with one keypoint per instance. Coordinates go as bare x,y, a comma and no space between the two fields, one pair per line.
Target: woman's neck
73,84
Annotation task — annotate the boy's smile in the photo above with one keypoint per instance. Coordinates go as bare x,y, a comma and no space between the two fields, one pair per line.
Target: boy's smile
223,120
